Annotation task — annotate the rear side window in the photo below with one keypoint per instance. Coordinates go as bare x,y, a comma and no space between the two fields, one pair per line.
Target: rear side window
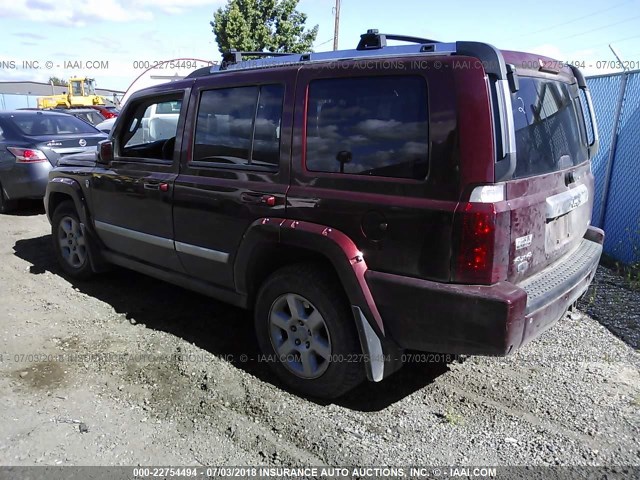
368,126
549,127
239,126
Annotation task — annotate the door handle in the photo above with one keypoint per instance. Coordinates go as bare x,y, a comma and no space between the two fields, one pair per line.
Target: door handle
163,187
259,198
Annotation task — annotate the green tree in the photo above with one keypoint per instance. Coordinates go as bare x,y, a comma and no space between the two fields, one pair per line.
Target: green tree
61,82
262,25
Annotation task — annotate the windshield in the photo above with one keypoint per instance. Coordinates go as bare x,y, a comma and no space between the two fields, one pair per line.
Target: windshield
549,124
76,89
39,124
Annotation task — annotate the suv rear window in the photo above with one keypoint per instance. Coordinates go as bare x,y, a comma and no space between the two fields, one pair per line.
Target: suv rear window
368,126
550,134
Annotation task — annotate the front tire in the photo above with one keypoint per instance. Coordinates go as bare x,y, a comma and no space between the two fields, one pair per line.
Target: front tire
70,243
306,331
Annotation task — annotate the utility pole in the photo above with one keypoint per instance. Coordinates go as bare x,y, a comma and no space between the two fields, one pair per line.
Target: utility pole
336,30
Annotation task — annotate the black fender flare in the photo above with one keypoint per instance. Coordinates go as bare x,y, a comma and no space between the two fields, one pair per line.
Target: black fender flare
70,188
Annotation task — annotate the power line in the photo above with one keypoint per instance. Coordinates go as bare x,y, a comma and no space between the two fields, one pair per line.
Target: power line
576,19
599,28
620,40
324,43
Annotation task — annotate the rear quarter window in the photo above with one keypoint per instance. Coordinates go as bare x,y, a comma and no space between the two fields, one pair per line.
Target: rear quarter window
374,126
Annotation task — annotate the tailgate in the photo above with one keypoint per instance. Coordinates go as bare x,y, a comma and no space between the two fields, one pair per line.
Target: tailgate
551,193
549,216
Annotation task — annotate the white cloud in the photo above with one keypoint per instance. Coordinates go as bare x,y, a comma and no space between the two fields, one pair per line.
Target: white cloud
74,13
178,6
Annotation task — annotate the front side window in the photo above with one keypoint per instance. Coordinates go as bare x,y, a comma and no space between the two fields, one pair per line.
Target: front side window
374,126
239,126
150,131
89,87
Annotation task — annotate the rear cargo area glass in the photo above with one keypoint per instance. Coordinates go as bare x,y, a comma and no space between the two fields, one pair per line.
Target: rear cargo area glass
549,127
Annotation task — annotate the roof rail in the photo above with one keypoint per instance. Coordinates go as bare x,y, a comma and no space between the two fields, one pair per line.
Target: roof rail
234,56
373,39
201,72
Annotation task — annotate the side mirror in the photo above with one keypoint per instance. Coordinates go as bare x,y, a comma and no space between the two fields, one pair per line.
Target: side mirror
105,155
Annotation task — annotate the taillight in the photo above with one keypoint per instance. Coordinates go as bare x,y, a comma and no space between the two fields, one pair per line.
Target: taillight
481,237
27,155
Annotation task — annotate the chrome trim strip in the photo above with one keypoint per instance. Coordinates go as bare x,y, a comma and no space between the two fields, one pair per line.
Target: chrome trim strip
135,235
186,248
506,117
202,252
565,202
68,150
593,147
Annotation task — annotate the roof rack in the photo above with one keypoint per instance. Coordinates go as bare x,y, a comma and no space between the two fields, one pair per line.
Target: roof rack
373,39
234,56
372,45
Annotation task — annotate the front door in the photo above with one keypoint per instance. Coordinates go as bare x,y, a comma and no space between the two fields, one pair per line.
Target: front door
132,196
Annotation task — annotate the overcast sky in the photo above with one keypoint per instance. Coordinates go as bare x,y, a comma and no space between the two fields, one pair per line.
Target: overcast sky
126,34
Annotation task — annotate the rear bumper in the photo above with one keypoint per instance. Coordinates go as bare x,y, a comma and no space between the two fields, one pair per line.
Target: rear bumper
26,180
483,320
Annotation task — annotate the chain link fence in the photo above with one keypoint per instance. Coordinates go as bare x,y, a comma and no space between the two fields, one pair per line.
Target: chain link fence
616,99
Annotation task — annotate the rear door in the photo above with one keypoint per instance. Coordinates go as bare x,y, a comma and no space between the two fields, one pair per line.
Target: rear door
374,159
235,169
132,197
551,192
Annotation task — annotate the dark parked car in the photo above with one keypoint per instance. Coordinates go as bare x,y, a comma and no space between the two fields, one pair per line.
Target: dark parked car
430,196
31,143
87,114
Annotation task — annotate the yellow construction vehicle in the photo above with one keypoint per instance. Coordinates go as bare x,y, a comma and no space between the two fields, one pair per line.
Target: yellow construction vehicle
81,93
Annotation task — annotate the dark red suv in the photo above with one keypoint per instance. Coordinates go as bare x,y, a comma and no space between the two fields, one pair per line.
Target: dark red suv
429,196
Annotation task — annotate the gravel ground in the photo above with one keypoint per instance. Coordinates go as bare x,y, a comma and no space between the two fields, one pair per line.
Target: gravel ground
127,370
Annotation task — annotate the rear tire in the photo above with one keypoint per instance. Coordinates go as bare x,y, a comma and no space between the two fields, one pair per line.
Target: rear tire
70,243
306,331
6,205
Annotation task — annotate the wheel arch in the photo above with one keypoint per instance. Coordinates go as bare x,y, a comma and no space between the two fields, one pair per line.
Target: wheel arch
270,244
61,189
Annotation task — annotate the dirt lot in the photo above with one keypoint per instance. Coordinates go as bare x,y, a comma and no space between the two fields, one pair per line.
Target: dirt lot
127,370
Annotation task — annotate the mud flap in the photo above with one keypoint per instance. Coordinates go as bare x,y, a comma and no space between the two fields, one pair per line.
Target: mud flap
381,357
